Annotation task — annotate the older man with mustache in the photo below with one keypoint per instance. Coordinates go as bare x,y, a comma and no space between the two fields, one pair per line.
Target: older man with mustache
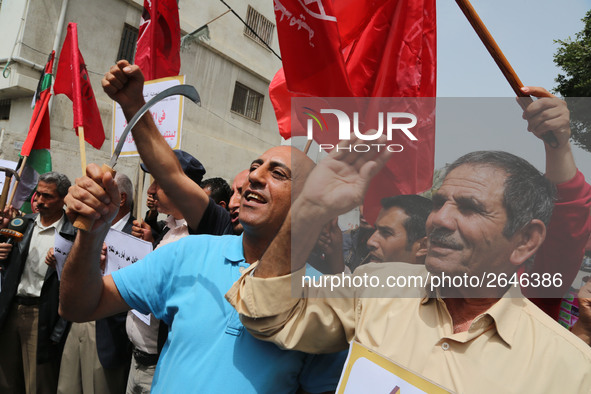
489,218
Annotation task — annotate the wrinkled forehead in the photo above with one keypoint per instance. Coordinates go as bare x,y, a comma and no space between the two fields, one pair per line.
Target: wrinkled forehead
474,180
291,158
46,187
278,154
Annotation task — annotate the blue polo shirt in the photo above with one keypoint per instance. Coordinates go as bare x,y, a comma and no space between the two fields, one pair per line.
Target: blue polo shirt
208,350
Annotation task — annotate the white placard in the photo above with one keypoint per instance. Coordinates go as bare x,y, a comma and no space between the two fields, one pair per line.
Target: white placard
124,249
61,248
369,372
167,114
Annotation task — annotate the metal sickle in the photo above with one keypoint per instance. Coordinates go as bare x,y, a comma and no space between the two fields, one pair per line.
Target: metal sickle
85,223
182,90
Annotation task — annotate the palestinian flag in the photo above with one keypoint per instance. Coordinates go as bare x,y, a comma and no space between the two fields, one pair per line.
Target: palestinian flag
39,162
37,144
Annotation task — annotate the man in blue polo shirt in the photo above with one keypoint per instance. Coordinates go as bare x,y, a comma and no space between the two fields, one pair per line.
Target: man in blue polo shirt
184,283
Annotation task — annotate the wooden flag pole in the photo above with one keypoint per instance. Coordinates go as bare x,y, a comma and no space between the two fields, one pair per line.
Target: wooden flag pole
82,149
492,47
499,58
139,193
20,174
83,222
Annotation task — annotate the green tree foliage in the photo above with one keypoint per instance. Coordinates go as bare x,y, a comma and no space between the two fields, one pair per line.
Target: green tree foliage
438,176
574,58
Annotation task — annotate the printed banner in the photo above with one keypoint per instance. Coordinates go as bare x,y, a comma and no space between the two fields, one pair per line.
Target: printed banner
167,114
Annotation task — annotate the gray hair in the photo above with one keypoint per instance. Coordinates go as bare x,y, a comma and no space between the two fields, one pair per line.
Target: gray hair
61,182
125,186
528,194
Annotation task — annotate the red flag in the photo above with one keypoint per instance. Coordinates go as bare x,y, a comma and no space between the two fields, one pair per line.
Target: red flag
322,74
362,48
39,131
159,40
72,80
351,24
395,56
281,100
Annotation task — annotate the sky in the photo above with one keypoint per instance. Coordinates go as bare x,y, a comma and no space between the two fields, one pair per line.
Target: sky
525,31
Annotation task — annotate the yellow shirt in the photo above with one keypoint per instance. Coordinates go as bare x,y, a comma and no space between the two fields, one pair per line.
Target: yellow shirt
512,348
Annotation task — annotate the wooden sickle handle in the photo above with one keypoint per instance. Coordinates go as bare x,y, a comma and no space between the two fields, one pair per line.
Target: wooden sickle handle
83,222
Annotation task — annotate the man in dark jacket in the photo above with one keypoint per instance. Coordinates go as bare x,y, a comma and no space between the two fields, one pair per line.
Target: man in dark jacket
31,332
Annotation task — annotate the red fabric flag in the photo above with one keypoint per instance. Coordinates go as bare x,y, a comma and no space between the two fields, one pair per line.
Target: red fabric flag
395,56
362,48
351,24
39,131
281,100
159,40
72,80
310,48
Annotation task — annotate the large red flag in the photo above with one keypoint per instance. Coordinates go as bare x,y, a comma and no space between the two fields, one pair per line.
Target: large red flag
311,55
395,56
362,48
72,80
159,40
39,132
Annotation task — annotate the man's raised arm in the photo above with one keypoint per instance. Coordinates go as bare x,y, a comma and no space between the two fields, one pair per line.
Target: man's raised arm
550,113
570,224
124,83
85,294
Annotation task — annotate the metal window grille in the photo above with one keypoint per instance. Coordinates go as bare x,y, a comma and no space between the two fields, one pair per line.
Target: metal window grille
261,25
4,109
247,102
128,43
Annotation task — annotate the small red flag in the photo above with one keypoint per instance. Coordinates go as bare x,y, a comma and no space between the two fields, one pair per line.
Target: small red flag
159,40
39,130
72,80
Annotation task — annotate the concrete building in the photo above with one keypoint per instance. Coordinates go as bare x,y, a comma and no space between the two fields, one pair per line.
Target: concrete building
230,70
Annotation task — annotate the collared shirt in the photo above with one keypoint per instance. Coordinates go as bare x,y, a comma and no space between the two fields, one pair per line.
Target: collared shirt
121,223
42,239
208,350
513,347
177,230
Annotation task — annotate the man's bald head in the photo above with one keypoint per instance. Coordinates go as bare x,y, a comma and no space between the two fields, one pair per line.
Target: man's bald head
273,178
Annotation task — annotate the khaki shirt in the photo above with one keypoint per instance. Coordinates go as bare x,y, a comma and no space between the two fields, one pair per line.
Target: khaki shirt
512,348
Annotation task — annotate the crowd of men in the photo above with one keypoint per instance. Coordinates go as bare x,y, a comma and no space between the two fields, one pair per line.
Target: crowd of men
217,306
